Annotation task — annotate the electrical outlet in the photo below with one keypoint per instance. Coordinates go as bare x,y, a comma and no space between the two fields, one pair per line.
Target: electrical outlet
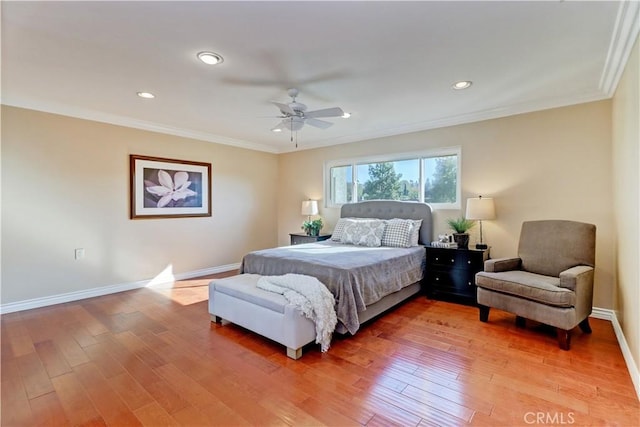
79,253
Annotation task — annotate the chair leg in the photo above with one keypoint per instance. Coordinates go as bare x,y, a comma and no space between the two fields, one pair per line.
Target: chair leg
584,326
564,338
521,322
484,313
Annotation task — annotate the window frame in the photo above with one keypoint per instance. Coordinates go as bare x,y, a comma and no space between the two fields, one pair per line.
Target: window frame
421,155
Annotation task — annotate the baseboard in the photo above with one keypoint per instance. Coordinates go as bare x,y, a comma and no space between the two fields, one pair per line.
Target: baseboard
597,313
106,290
606,314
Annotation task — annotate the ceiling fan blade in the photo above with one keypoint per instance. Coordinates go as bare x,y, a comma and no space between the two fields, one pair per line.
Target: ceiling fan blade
282,125
318,123
284,108
327,112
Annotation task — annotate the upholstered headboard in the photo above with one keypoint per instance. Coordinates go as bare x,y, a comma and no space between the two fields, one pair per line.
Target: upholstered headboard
388,209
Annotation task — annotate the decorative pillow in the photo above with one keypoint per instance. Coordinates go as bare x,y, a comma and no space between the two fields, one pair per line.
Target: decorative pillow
397,233
338,230
415,232
363,232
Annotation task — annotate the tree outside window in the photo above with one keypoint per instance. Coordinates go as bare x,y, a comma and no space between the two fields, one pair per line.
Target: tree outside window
442,179
427,177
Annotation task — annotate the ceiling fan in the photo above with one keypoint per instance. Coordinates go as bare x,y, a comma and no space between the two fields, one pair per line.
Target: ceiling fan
295,115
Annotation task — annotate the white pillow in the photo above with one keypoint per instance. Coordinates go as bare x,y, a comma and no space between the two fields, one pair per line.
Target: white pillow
415,232
397,233
363,232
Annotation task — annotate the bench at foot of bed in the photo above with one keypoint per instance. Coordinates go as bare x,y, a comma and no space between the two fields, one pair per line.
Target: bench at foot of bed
237,299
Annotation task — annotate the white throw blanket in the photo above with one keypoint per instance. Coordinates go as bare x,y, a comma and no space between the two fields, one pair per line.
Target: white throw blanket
311,297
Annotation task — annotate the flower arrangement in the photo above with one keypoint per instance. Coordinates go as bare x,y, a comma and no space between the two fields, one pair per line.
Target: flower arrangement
312,227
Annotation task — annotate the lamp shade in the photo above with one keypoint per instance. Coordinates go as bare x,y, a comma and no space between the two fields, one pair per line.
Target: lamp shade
480,208
309,207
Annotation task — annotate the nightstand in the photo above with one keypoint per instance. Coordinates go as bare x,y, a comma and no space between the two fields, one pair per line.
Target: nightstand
298,238
450,273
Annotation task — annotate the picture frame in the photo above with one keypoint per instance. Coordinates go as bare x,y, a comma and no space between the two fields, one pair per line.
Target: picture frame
168,188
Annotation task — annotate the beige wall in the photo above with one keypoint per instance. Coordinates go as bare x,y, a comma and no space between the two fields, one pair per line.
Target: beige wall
626,184
543,165
65,186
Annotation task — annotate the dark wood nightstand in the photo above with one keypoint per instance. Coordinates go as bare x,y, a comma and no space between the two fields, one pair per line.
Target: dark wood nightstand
298,238
450,273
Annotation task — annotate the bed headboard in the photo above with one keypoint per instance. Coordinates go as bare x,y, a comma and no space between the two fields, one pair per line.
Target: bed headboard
388,209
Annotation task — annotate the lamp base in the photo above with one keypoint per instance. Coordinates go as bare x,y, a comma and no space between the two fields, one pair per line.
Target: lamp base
481,246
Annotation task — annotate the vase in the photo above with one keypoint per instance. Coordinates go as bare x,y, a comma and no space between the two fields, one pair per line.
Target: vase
462,239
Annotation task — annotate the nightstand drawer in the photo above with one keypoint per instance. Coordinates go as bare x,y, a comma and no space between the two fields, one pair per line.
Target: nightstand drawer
454,258
451,279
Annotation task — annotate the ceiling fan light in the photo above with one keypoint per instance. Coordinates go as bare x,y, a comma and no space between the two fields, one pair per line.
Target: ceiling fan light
463,84
146,95
210,58
294,123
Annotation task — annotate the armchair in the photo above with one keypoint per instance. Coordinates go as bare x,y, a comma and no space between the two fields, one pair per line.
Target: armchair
551,280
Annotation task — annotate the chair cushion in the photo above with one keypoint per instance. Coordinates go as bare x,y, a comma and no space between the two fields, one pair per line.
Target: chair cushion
244,287
531,286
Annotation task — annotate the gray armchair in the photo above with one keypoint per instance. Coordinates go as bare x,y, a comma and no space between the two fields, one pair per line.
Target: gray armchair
551,280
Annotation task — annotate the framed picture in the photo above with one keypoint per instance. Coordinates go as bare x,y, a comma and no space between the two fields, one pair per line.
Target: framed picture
168,188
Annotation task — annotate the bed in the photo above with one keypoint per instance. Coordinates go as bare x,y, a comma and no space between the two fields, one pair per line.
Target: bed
366,281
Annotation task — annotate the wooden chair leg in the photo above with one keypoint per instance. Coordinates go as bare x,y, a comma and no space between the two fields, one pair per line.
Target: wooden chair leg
564,338
521,322
484,313
584,326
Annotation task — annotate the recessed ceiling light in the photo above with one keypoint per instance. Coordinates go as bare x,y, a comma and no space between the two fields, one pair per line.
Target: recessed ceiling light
210,58
276,130
147,95
464,84
346,115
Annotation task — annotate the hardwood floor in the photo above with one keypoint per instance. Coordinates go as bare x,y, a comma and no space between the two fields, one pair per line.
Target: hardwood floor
152,357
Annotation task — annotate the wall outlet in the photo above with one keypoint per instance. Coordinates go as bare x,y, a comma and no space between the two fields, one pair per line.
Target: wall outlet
79,253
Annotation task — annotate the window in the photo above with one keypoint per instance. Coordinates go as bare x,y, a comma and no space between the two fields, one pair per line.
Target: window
432,177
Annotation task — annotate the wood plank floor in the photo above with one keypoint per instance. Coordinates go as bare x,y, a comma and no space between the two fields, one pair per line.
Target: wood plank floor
151,357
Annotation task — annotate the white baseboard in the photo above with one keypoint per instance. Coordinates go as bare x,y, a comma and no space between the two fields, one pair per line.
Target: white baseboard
106,290
610,315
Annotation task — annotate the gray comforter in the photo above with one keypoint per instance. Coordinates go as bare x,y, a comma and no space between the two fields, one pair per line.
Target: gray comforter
357,276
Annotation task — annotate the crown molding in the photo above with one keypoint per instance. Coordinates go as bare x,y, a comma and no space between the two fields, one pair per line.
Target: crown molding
494,113
97,116
625,33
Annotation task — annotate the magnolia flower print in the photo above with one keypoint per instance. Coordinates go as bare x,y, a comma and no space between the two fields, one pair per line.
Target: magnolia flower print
171,189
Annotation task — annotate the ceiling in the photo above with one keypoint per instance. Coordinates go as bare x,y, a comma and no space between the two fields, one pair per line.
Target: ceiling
390,64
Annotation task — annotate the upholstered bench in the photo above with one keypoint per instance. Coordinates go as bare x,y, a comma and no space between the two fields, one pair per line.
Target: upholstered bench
237,299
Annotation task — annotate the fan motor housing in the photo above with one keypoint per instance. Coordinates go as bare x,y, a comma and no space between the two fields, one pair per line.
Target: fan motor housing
297,106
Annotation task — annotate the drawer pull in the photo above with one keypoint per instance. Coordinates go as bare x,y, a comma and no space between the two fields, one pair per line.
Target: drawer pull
453,260
469,283
437,259
469,262
437,279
